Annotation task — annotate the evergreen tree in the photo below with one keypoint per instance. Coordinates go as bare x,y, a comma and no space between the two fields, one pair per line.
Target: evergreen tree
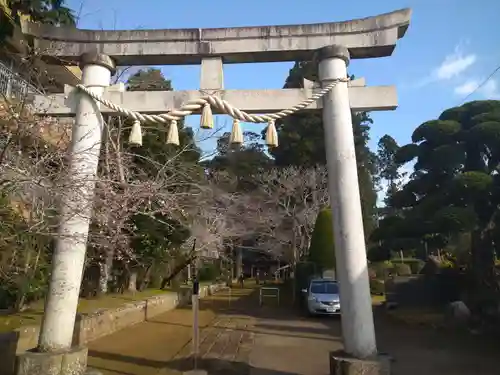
388,168
301,143
454,190
44,11
155,152
322,249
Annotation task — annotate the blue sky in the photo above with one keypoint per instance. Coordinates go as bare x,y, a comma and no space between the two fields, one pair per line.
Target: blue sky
450,47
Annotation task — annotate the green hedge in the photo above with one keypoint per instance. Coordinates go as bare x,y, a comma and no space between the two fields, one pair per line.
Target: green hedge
379,270
377,287
322,249
415,265
209,272
304,271
402,269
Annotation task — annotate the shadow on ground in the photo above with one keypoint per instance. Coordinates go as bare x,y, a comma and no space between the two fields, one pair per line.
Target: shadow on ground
213,366
245,301
283,336
221,367
415,349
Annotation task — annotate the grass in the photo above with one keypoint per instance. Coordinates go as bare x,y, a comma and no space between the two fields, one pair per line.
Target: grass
33,315
377,299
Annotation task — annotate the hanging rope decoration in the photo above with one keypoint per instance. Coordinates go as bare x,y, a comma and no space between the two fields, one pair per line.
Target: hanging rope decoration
236,137
205,103
135,137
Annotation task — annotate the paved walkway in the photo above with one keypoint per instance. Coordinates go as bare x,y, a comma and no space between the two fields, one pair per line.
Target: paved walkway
238,337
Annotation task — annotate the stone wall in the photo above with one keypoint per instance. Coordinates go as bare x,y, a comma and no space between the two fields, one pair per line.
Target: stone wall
89,327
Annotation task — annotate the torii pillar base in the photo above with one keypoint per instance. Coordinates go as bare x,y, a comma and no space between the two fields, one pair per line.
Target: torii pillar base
342,363
70,362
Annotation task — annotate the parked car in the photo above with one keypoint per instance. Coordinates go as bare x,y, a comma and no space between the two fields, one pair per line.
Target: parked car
322,297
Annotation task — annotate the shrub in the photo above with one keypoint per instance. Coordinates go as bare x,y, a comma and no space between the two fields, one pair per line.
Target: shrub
322,249
372,274
304,271
377,287
380,269
208,272
416,265
446,263
378,253
402,269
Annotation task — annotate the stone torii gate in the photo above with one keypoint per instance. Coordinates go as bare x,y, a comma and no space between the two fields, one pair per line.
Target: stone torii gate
331,45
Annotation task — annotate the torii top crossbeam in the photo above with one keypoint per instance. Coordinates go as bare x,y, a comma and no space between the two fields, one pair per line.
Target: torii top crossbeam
365,38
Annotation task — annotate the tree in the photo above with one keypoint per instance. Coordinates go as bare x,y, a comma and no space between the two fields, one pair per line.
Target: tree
302,144
150,79
388,168
290,199
53,12
29,191
148,184
455,187
243,162
155,152
322,250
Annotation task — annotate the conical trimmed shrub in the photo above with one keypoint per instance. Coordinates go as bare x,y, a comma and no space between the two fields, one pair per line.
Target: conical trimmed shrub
322,249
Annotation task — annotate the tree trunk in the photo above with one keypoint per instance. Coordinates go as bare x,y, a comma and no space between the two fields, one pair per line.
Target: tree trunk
238,262
105,268
103,277
484,287
146,279
177,269
132,282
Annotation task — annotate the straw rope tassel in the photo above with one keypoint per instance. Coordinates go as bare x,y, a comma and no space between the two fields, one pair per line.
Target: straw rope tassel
236,133
207,119
173,134
271,135
135,137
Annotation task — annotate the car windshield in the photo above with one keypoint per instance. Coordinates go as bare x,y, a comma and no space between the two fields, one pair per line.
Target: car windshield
324,287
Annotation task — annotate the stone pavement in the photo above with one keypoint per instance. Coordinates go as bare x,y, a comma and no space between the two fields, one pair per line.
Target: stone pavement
239,337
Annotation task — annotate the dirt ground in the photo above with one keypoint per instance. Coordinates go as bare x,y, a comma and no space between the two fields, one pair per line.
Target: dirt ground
239,337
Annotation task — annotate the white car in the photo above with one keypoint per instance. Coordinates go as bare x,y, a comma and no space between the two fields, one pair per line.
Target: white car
323,297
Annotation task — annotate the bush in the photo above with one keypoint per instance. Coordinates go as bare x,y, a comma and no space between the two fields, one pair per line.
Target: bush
209,272
416,265
24,256
402,269
372,274
322,249
377,287
304,271
378,254
379,270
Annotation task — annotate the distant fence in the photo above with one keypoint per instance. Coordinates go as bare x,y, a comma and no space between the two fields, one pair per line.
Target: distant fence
12,85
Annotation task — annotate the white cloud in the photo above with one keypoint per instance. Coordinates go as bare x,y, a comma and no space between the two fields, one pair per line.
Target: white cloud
489,90
451,67
454,65
467,87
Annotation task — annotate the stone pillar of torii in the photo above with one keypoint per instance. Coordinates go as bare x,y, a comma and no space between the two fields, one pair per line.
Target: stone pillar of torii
331,45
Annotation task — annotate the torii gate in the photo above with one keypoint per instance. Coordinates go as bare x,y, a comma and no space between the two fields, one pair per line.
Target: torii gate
99,52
